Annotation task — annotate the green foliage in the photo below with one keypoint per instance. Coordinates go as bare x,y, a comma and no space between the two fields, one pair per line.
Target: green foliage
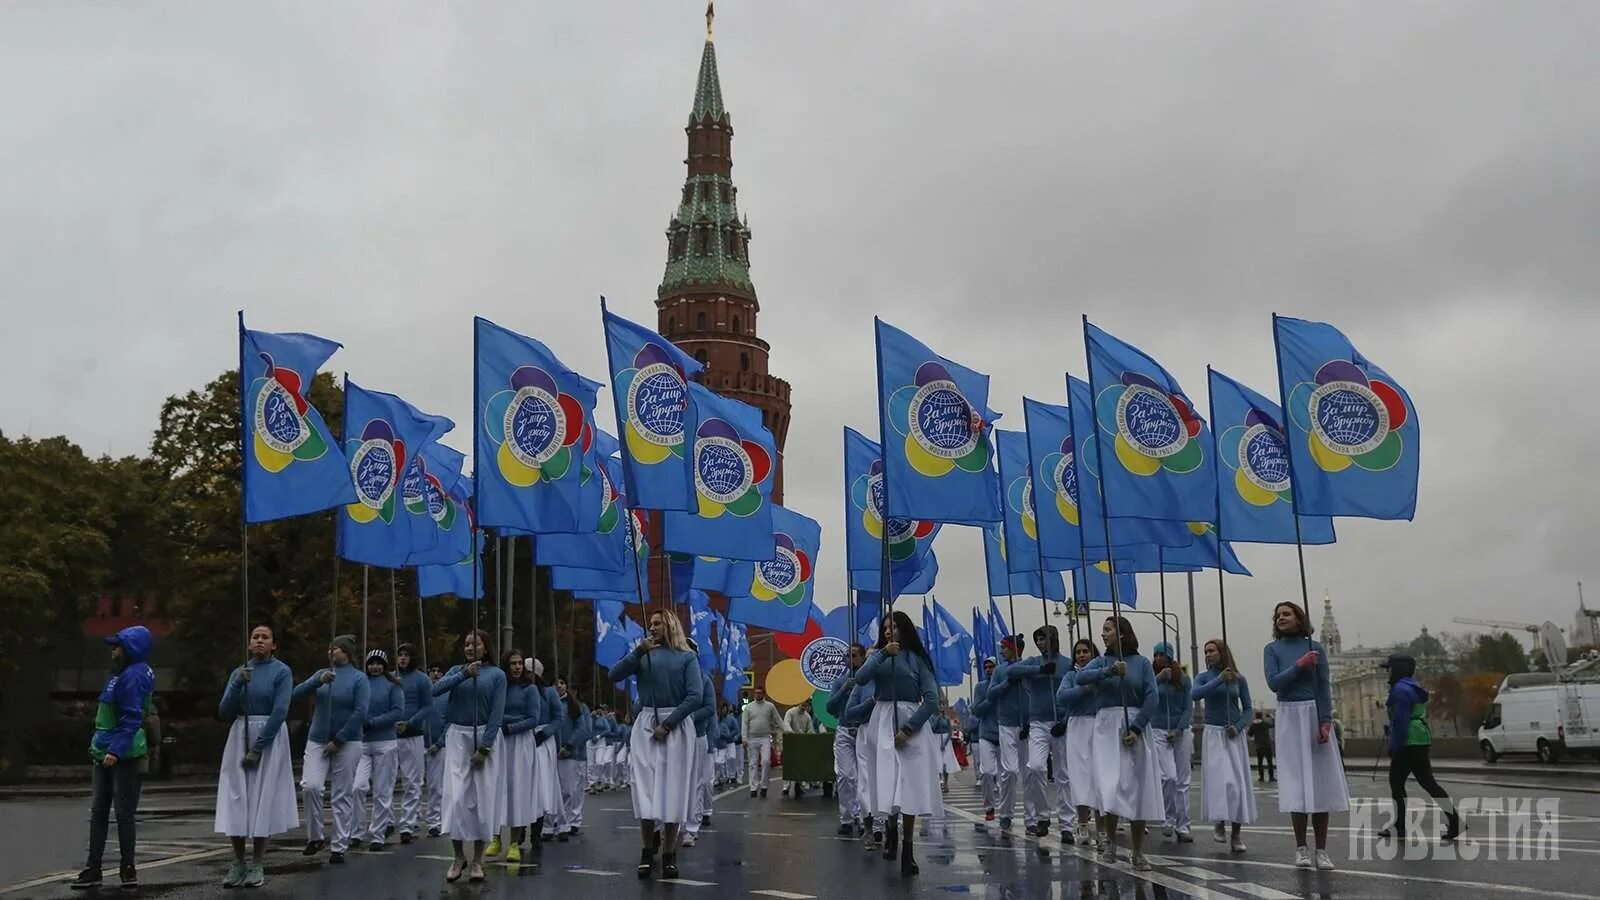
1500,652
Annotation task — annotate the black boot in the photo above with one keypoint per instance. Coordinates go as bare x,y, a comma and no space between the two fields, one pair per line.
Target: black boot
908,862
647,861
1452,827
891,838
669,865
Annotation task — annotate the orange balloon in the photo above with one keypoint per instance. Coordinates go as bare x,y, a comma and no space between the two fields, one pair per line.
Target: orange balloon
787,685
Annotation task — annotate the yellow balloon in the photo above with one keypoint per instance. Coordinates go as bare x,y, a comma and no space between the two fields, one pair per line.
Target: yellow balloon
786,685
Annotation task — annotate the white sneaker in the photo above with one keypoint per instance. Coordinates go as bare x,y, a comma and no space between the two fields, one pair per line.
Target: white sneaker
1324,861
1220,833
687,840
1302,858
1166,831
1237,845
1140,863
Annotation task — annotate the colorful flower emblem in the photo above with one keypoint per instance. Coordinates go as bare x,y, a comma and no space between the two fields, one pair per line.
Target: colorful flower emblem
728,470
536,428
1154,429
422,494
1258,454
866,495
655,393
942,431
377,457
639,534
784,577
1061,480
610,511
1019,495
281,432
1350,418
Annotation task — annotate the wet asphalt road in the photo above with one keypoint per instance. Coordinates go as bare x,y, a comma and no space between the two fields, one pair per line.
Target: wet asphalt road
788,849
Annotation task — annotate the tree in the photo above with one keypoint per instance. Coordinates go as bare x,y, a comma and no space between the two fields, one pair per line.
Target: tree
1500,653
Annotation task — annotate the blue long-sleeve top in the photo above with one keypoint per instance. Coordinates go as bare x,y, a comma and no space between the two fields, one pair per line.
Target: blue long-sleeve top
1112,691
418,691
572,734
1226,704
1006,694
987,712
386,705
940,725
524,709
1290,683
730,728
839,697
433,727
474,701
706,713
1039,689
1075,697
552,708
1174,706
903,677
271,684
668,679
341,710
858,709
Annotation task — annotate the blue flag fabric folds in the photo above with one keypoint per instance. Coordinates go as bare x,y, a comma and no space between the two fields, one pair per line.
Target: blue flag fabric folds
1021,520
951,646
910,540
1054,483
701,624
983,634
735,659
935,422
457,577
1097,587
780,589
1353,435
292,464
650,387
606,547
734,459
1205,553
997,622
425,491
1255,499
1002,582
610,642
381,431
916,581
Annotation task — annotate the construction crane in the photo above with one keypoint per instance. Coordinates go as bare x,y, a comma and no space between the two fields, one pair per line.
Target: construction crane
1496,623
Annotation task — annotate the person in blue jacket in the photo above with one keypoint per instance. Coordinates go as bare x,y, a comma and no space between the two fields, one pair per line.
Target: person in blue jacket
546,759
859,708
474,776
1409,740
120,753
1311,779
255,787
1174,739
1077,705
386,703
1125,764
906,778
333,746
661,746
433,731
844,745
704,719
1226,793
1040,676
522,712
411,746
573,726
988,734
731,738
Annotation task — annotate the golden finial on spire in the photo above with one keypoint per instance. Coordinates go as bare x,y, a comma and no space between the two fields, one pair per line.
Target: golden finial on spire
711,13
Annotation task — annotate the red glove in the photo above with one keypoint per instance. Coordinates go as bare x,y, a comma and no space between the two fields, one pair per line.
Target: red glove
1323,731
1308,660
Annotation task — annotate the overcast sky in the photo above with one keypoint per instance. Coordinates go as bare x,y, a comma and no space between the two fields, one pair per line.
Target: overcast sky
1423,175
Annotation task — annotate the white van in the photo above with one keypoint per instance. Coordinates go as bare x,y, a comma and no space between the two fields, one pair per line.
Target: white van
1535,713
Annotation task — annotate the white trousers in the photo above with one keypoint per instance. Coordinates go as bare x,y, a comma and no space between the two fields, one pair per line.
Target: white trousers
844,775
433,786
571,773
1013,759
375,784
700,798
408,755
339,769
988,771
758,761
1038,791
1174,757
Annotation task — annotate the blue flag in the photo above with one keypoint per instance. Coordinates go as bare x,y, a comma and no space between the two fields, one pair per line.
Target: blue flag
1354,439
1091,492
1027,584
292,465
1254,500
1098,587
997,622
426,491
1021,520
604,548
595,485
610,642
650,386
935,422
951,647
910,540
381,431
1205,553
983,634
780,589
1054,483
534,416
457,577
735,657
915,581
734,456
1160,464
701,623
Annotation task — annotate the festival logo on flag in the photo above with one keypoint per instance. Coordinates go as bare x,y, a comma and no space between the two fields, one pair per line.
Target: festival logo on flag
783,577
824,662
1258,454
1019,496
281,431
377,458
422,493
1061,481
638,534
1351,419
728,470
655,393
535,428
866,495
610,512
942,430
1154,429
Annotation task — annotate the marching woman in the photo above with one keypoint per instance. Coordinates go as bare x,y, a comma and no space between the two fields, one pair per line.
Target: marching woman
573,727
985,710
474,777
661,745
844,746
522,713
333,746
411,748
1311,774
379,752
905,783
546,771
700,798
1078,704
1125,766
1226,794
255,789
433,732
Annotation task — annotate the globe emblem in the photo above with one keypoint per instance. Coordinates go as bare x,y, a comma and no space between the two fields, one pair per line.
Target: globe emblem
1264,459
780,574
1148,422
605,493
656,398
899,527
1027,496
412,486
824,662
1348,417
534,426
722,469
278,423
1067,477
372,470
942,420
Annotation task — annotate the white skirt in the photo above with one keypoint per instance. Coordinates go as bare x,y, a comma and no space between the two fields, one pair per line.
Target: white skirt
1310,775
662,771
257,802
1129,778
1226,792
474,799
518,750
1080,762
906,780
546,779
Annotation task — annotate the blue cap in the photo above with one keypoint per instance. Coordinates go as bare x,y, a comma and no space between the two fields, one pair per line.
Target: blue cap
1163,648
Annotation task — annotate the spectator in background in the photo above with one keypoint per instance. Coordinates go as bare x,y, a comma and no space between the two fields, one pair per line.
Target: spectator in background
797,720
1261,740
120,751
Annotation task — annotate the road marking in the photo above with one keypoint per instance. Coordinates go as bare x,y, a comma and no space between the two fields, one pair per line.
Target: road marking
1389,876
688,881
1265,893
797,814
769,834
785,895
600,872
1202,874
171,860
